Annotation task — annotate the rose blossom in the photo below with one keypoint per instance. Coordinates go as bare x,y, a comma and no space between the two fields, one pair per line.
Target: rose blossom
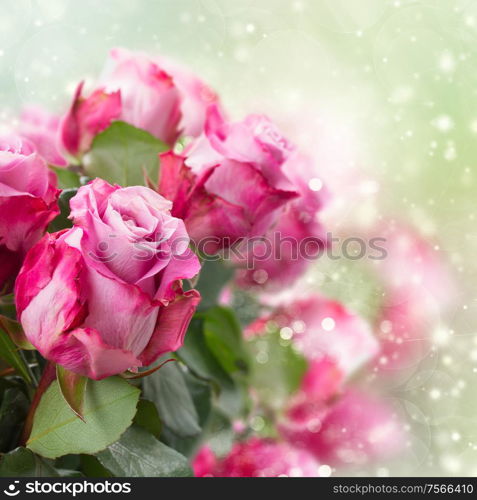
297,238
28,198
106,295
195,96
351,428
324,328
257,458
336,343
230,183
86,118
42,128
414,300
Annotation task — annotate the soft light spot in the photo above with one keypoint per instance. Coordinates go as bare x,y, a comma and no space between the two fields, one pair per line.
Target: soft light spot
447,62
262,358
315,184
444,123
386,326
435,394
257,423
324,470
286,333
455,436
298,326
260,276
328,324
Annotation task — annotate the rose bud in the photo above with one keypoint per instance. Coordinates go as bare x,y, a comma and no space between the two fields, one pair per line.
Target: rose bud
86,118
157,95
42,128
230,184
28,202
149,97
106,295
257,458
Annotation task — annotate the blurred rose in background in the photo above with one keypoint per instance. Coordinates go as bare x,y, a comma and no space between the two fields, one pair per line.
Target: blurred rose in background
364,111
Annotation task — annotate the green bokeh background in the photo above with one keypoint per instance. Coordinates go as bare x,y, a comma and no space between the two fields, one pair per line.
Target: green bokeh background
382,87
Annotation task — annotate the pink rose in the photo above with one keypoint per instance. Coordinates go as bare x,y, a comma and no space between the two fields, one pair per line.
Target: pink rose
106,295
415,300
255,140
357,429
153,94
195,97
351,429
230,183
86,118
42,128
257,458
324,328
427,277
149,97
296,239
339,426
336,343
28,198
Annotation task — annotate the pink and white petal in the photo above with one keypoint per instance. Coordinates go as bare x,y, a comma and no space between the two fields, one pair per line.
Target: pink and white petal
83,351
171,327
90,198
214,223
134,314
25,173
50,292
24,221
180,267
176,182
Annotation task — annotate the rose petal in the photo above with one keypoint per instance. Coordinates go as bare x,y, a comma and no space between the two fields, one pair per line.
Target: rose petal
172,324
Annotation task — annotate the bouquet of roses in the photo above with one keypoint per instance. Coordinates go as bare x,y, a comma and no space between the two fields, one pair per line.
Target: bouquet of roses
142,234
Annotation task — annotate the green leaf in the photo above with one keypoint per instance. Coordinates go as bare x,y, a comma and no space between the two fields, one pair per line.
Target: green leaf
61,221
69,473
67,178
214,275
139,454
24,463
147,417
72,387
197,355
122,154
7,306
15,332
13,411
9,352
168,389
109,408
224,338
201,393
280,371
91,467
